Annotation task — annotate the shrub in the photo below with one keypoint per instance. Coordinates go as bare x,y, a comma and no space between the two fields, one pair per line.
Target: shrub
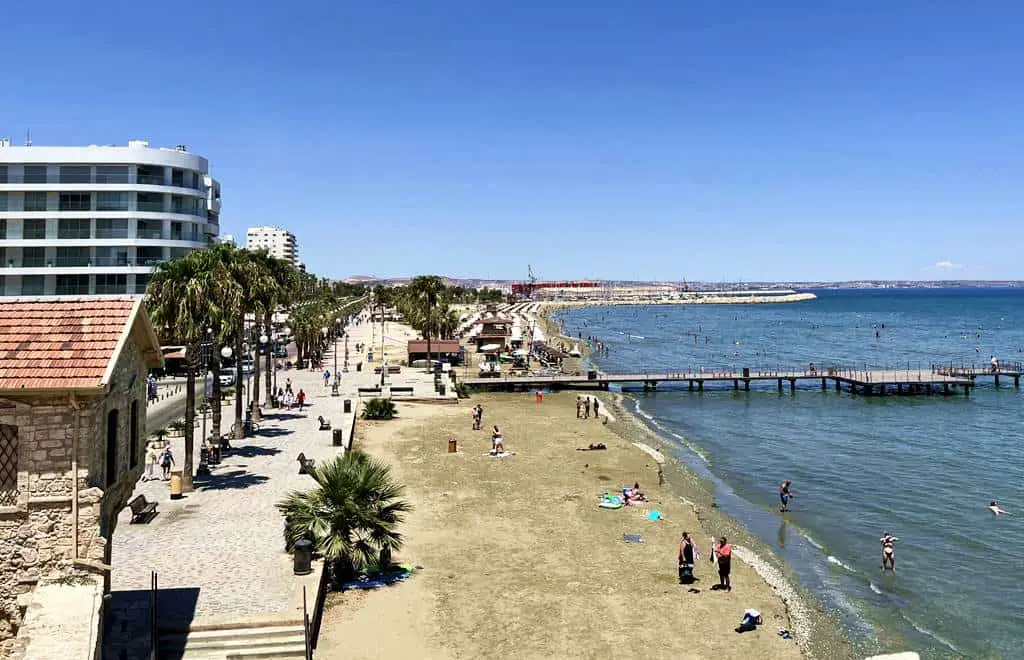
379,408
462,390
176,425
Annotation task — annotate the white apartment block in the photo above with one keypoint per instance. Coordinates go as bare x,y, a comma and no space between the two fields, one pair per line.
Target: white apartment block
98,219
278,242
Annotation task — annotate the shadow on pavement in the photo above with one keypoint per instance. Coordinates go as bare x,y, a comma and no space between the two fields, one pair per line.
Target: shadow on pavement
272,432
250,451
234,480
127,631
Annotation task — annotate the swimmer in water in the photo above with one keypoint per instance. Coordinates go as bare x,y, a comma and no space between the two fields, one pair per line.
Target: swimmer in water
784,496
888,551
995,509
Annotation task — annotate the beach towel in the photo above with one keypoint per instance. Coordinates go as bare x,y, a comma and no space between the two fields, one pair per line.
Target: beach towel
609,501
500,454
654,516
632,538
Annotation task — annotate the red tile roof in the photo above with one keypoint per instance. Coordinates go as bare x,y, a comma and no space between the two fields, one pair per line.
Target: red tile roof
436,346
60,343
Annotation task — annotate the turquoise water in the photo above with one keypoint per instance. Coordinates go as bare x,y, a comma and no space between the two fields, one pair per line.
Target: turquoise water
923,468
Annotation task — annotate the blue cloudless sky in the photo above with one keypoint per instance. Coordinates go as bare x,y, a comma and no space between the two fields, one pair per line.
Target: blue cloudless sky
728,140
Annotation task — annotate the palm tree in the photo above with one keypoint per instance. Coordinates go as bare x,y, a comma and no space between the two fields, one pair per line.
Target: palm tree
178,301
424,306
351,516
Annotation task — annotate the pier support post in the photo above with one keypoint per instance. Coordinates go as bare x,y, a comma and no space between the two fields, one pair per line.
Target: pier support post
780,385
867,389
997,380
823,383
735,384
899,389
838,388
746,384
700,386
945,389
1016,381
792,385
967,390
691,385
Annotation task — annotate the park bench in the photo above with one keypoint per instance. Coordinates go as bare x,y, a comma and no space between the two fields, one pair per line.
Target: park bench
305,464
325,424
142,509
392,369
402,390
369,390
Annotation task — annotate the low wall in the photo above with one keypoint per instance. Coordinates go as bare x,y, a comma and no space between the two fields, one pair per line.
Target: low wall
63,620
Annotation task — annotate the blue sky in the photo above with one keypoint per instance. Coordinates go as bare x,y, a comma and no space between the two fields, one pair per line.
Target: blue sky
719,140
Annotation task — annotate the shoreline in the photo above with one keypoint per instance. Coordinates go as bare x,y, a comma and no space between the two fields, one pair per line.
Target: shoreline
711,298
816,632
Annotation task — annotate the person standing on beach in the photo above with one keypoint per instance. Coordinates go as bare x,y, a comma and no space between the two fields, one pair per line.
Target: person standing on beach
579,406
597,408
586,408
784,496
688,556
723,555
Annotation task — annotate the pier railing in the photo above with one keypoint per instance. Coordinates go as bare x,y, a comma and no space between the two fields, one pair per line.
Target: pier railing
971,370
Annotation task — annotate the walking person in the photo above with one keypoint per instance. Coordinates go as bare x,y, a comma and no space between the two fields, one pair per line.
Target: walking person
688,556
166,462
723,556
579,406
327,377
597,408
301,398
497,442
784,496
152,460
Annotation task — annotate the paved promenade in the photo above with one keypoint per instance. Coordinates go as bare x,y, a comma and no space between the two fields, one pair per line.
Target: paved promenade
219,551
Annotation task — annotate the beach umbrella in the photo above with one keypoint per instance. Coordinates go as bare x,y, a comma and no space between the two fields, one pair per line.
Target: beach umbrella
490,347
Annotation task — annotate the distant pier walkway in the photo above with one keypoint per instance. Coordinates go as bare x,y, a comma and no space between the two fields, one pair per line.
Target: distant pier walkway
933,379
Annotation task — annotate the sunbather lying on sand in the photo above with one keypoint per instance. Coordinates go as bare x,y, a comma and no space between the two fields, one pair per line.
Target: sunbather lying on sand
592,447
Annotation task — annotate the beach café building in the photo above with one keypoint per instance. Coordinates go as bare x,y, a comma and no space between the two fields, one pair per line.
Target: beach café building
72,434
491,334
443,350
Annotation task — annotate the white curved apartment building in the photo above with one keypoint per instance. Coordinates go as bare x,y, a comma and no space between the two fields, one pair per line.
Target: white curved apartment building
98,219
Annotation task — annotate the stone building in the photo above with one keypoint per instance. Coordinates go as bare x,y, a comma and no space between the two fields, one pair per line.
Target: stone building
72,438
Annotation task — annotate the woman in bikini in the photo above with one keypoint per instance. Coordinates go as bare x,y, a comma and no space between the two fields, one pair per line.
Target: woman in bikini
888,551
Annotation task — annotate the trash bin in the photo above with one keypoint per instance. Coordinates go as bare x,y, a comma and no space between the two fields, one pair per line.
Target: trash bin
303,557
359,366
347,407
453,446
338,439
441,389
176,478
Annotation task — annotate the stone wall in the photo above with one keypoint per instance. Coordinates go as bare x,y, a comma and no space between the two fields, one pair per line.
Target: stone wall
36,534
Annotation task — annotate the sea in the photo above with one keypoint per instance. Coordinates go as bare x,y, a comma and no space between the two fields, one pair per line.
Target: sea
923,468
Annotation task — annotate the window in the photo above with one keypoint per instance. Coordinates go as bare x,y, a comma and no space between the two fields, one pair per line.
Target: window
35,201
3,201
106,228
75,174
180,253
111,174
111,256
150,175
149,229
8,465
112,201
35,174
133,433
3,281
150,202
112,284
72,256
3,174
3,229
75,201
34,228
176,233
32,285
149,256
73,228
72,285
141,282
111,472
178,178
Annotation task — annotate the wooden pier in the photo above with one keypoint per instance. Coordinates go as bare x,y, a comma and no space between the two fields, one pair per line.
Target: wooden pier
932,380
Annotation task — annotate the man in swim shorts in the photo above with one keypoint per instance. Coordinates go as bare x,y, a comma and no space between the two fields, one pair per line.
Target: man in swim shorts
723,553
784,495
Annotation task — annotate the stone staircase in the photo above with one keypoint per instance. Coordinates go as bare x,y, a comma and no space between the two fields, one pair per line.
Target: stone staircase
268,642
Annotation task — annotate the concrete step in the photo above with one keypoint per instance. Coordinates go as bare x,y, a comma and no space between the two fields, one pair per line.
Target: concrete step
255,642
284,652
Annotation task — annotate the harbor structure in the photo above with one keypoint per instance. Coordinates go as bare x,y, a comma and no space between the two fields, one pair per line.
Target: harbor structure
97,220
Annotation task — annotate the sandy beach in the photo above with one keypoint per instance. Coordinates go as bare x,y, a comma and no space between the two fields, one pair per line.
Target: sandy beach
519,561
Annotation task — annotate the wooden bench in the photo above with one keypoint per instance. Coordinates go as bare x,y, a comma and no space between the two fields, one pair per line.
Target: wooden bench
142,509
325,424
392,369
369,390
305,464
402,389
